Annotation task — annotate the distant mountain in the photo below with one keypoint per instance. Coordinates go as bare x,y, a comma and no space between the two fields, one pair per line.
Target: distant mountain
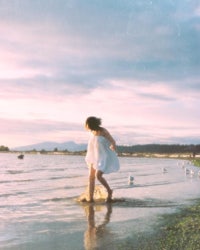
50,146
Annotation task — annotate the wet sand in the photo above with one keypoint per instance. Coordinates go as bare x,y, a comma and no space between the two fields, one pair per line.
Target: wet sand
177,230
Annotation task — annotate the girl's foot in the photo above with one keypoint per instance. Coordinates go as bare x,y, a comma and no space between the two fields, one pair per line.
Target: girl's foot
109,198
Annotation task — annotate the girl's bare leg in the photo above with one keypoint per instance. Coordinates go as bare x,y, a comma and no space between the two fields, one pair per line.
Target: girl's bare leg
91,183
100,178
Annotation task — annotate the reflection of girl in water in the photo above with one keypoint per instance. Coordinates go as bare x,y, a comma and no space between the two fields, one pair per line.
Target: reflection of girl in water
96,236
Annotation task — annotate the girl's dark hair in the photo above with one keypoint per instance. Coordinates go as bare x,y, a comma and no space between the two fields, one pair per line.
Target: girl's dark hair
93,123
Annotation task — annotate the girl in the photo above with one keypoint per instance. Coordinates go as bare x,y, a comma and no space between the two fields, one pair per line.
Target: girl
101,157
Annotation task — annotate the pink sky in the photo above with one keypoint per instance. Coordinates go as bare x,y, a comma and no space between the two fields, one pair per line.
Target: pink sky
60,64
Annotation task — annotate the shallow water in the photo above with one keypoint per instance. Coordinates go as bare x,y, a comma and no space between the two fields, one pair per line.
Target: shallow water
38,208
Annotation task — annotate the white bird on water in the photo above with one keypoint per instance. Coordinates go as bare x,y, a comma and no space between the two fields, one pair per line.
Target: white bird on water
191,172
187,171
130,179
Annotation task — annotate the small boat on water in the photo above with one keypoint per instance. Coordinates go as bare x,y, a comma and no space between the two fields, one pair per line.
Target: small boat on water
21,156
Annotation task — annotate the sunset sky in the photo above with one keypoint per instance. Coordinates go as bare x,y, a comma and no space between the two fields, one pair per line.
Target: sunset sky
134,63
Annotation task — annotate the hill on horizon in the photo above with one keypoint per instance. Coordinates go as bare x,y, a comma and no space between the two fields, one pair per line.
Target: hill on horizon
50,146
71,146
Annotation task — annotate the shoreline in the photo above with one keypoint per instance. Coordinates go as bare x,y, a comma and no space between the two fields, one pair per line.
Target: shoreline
179,230
184,231
186,156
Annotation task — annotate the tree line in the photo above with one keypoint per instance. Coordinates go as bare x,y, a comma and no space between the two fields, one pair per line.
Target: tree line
4,148
146,148
160,148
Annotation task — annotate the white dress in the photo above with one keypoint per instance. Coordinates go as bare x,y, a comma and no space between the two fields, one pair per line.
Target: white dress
100,156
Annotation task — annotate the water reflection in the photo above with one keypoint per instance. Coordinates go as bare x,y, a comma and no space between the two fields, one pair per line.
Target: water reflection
97,233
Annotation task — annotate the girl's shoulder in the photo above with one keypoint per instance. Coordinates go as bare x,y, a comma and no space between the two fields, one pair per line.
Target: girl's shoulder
103,131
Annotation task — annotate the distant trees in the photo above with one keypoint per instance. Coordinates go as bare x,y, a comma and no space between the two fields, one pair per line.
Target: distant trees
146,148
160,148
43,151
4,148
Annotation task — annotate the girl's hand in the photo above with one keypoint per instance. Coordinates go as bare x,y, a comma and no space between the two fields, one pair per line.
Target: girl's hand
113,147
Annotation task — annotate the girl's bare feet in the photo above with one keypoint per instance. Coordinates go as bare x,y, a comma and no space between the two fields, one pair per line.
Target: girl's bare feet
109,198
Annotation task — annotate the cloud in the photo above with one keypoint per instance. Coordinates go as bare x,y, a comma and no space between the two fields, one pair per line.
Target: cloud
135,40
25,132
133,63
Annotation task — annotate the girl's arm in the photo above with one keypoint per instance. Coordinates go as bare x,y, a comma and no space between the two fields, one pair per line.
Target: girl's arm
108,136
